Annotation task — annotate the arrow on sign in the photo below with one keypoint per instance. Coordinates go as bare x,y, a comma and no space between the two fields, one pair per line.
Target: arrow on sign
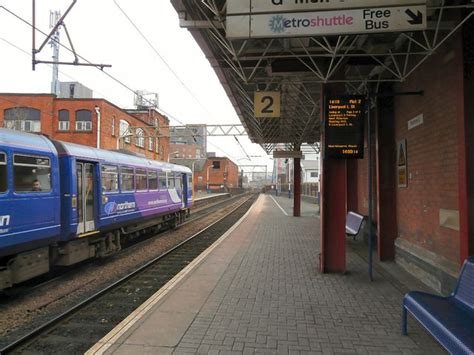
414,19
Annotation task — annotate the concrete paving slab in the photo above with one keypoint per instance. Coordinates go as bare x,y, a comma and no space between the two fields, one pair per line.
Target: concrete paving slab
265,295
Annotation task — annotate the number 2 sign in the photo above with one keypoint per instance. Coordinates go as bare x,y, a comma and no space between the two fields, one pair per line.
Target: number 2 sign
267,104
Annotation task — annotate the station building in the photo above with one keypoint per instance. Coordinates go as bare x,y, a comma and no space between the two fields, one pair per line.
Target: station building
92,122
413,61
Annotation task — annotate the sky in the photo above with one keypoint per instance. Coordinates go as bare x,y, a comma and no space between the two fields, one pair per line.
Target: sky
172,66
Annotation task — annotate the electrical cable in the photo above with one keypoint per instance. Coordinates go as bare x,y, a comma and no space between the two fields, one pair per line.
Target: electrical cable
116,79
162,59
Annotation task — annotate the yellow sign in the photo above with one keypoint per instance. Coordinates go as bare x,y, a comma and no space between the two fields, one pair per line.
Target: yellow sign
402,163
267,104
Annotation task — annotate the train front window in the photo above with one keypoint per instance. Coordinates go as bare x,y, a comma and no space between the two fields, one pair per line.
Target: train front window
128,179
178,182
162,177
109,178
31,173
3,172
170,181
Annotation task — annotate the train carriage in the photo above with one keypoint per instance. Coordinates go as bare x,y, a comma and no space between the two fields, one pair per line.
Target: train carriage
89,202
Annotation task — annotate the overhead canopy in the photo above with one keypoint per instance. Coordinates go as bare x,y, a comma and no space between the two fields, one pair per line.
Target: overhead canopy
297,67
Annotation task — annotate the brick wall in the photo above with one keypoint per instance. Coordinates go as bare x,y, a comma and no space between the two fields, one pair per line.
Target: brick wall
217,176
111,116
43,102
432,150
187,151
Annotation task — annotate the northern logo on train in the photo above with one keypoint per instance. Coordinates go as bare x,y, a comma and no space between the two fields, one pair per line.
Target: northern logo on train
4,222
110,207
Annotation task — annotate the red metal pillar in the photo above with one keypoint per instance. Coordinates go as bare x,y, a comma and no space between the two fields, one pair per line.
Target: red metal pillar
386,150
332,209
333,216
297,187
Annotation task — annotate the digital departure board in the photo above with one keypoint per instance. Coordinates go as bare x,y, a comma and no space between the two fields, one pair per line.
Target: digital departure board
344,127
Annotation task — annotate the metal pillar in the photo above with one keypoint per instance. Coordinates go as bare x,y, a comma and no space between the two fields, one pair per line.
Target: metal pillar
297,187
332,210
333,216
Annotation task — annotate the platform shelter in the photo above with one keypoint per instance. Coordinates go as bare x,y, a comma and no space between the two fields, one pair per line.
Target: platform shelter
282,62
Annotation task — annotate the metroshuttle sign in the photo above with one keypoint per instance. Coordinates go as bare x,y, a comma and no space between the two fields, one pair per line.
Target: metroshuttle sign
335,22
239,7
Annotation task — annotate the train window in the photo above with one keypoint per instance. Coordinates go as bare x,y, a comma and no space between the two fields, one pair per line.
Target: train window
109,178
3,172
152,180
170,181
128,179
140,176
190,181
163,184
178,182
31,173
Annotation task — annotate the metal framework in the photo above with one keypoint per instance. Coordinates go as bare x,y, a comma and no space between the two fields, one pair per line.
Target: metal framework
298,67
49,37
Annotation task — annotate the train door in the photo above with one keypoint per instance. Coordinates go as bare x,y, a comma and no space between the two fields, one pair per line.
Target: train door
85,173
184,195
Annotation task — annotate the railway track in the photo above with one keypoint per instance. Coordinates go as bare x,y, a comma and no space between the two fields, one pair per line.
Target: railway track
203,208
80,327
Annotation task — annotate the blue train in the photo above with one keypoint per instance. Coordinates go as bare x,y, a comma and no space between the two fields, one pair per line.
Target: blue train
62,203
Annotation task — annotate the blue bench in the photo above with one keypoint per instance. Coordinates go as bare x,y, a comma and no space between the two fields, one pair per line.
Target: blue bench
353,223
450,320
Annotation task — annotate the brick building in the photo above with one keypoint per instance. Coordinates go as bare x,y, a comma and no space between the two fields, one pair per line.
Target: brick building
188,151
212,174
93,122
217,174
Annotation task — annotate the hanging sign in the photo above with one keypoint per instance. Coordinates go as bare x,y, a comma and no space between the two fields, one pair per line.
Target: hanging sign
344,127
237,7
267,104
335,22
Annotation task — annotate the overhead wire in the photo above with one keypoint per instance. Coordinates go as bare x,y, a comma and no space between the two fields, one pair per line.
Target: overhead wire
120,82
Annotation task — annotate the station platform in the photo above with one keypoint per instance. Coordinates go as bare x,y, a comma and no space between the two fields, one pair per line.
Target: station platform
258,290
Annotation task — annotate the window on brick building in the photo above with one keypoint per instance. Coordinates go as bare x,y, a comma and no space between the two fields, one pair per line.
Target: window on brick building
216,164
83,120
140,138
150,144
124,131
113,126
25,119
63,124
